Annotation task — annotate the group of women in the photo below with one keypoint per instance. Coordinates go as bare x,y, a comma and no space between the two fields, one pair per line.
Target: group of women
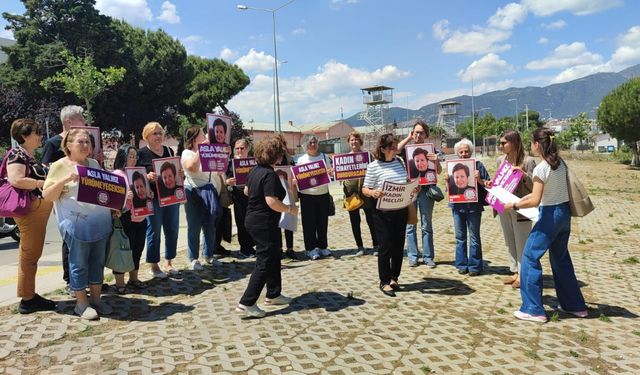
86,228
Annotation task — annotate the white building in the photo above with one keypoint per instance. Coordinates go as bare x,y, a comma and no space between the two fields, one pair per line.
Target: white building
604,143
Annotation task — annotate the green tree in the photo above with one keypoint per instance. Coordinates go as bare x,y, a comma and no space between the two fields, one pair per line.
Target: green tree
81,78
564,140
579,129
619,115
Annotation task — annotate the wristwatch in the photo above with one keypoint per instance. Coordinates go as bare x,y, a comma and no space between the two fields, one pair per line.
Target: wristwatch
515,207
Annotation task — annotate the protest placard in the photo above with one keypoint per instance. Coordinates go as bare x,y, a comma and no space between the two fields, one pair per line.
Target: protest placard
214,157
311,175
506,178
350,166
142,194
101,188
507,197
241,169
96,140
219,128
396,196
287,221
462,181
169,181
418,166
284,172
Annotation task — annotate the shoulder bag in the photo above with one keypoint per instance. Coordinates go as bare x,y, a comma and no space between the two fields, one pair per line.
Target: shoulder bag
225,197
354,201
579,199
14,202
119,257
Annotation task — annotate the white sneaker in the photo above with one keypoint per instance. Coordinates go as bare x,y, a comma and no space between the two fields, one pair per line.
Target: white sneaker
6,228
195,265
86,312
101,307
212,261
531,318
313,254
251,311
158,274
279,300
325,252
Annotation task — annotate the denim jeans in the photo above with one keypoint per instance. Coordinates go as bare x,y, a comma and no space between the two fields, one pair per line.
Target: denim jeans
86,262
167,219
195,214
551,233
468,221
425,206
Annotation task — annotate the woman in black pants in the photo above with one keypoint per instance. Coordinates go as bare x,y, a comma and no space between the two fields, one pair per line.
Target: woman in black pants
390,225
265,192
288,235
240,201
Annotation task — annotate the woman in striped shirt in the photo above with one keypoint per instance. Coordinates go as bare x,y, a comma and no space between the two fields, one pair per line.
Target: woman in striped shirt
390,226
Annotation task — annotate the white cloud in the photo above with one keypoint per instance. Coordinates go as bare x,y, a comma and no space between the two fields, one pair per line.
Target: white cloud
136,12
567,55
190,42
298,31
543,40
544,8
169,13
228,54
317,97
556,25
7,34
489,66
507,17
441,29
628,51
578,71
255,61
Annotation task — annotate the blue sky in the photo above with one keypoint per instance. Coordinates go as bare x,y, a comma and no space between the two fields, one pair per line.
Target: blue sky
426,50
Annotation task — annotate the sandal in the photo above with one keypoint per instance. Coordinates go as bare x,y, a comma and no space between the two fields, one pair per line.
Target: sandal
136,284
394,285
387,290
119,289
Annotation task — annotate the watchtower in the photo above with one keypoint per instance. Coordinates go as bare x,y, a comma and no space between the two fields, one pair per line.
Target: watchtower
376,100
448,116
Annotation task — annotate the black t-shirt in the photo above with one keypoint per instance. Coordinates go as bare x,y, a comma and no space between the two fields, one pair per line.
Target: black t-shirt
146,157
36,169
263,182
52,150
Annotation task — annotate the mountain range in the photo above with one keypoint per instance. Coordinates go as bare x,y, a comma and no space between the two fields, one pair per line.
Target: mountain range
560,100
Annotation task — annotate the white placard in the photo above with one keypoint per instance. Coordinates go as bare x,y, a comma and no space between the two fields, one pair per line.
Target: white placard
506,197
396,196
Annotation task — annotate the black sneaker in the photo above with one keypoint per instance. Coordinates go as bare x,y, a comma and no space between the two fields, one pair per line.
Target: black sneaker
37,303
221,252
244,254
291,254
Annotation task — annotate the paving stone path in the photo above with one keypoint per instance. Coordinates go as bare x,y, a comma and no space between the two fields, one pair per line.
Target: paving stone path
340,323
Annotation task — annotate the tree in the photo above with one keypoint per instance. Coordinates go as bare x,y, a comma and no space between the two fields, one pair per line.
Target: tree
579,128
81,78
619,115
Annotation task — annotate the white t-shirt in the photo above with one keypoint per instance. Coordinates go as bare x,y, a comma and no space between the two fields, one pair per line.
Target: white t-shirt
555,183
304,159
199,178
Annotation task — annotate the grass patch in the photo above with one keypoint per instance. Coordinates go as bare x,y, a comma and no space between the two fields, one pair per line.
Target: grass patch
392,305
108,278
574,354
582,336
631,260
615,276
618,231
612,347
604,318
532,354
635,226
637,333
88,331
426,369
501,311
555,317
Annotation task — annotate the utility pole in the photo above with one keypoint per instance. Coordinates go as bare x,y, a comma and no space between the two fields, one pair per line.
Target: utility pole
526,108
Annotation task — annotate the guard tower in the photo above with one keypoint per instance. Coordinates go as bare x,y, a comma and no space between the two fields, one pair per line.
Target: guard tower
376,100
448,116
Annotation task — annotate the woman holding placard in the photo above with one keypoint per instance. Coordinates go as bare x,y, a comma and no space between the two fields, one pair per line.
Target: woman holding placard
391,225
85,228
240,201
467,216
199,215
165,219
286,160
551,232
515,227
351,187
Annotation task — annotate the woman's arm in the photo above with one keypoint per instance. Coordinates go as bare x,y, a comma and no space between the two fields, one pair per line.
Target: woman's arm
372,193
52,192
529,200
17,178
192,164
276,204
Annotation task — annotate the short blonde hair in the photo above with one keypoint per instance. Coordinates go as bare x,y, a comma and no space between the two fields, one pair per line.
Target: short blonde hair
71,136
150,128
355,135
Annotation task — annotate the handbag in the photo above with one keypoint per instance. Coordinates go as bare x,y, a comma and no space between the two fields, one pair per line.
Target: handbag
14,202
412,214
119,256
434,192
353,201
332,206
225,197
579,199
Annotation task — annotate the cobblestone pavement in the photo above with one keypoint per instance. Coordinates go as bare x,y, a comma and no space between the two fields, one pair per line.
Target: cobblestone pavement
340,323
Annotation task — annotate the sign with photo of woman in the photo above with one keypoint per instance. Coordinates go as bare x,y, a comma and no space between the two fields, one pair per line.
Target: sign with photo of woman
419,166
219,128
461,181
169,182
142,194
96,141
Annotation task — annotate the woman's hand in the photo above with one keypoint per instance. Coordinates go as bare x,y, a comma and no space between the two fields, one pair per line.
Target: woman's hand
115,214
376,194
432,156
130,195
293,210
230,181
487,184
508,206
73,177
524,174
152,176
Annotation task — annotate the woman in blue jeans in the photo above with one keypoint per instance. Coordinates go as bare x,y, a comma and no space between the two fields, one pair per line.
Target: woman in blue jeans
551,232
165,219
467,217
199,218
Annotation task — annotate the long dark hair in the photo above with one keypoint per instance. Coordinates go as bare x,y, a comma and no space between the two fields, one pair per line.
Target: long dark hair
548,149
121,156
386,140
514,138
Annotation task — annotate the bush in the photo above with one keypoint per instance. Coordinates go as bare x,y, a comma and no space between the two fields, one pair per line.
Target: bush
623,154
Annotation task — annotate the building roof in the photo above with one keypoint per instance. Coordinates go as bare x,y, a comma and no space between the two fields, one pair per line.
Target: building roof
376,88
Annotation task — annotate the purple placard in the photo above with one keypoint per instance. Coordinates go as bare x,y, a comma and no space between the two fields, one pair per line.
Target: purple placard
214,157
241,169
101,188
311,175
350,166
506,178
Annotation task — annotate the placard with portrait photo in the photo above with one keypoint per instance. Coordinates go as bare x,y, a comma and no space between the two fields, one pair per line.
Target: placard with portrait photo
461,181
96,140
219,128
169,184
142,194
418,166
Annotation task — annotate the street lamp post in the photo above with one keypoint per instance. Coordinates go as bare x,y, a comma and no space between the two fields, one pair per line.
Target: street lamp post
517,122
275,56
